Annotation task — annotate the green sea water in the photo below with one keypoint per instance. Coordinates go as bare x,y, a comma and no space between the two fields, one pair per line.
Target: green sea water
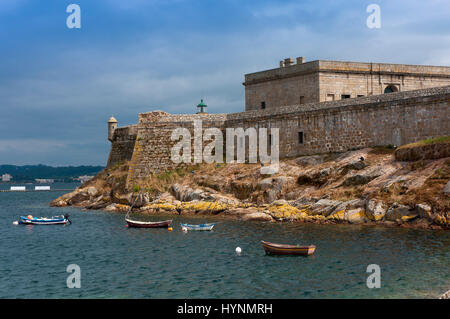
120,262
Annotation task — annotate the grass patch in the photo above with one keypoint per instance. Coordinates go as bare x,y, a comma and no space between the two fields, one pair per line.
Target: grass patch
382,149
436,140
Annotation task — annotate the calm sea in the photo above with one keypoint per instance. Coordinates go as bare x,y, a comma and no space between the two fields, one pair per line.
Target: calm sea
118,262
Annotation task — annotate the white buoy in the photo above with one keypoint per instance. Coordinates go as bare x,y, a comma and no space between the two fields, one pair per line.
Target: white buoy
15,222
238,250
184,229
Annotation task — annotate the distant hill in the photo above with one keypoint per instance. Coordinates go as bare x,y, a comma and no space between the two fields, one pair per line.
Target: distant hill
28,173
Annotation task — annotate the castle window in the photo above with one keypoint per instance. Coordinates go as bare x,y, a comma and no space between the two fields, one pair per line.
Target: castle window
263,105
390,89
300,137
345,96
302,99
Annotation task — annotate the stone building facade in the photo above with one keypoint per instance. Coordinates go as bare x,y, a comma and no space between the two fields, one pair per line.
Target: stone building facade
320,81
304,129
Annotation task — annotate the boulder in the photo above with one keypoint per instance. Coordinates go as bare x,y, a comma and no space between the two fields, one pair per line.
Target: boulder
356,216
92,191
279,202
350,204
78,197
310,160
400,213
424,211
418,151
187,194
317,178
324,207
355,165
359,179
238,212
258,216
375,210
274,187
140,200
111,208
124,199
264,184
445,295
446,189
97,203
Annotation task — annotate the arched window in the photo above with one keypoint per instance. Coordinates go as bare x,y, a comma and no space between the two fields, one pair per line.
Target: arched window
390,89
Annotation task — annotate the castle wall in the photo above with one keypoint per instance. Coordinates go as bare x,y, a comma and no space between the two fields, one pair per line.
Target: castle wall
285,91
122,145
337,126
395,118
152,151
320,81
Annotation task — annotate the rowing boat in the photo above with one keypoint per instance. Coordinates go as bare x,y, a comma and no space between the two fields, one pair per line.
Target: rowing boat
139,224
281,249
197,227
55,220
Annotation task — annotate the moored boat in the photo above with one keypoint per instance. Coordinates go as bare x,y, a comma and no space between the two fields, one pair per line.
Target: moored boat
140,224
282,249
55,220
197,227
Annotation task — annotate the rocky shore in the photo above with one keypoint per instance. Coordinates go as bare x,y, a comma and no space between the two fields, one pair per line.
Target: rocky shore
406,187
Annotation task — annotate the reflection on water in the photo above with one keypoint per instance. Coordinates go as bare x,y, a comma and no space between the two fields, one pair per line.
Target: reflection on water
121,262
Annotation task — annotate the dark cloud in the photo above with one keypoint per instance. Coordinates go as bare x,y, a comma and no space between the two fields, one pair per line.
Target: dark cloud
58,86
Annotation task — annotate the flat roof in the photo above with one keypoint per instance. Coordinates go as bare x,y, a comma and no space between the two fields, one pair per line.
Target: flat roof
346,67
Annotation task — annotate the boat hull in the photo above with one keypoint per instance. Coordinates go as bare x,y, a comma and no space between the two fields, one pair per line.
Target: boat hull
139,224
202,227
42,221
280,249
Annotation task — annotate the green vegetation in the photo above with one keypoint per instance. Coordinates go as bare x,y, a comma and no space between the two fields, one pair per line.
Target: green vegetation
436,140
28,173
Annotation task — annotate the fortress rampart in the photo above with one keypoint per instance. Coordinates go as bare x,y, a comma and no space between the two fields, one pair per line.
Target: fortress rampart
335,126
319,81
122,144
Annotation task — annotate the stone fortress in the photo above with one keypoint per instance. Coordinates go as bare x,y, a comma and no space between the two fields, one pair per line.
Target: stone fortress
318,106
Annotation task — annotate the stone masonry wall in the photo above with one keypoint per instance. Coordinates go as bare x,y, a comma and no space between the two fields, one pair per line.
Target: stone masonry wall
395,118
152,151
319,81
122,146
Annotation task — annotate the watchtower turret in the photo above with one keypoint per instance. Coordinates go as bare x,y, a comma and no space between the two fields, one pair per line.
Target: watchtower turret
112,125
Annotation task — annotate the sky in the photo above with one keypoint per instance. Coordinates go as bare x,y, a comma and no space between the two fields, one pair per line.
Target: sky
59,86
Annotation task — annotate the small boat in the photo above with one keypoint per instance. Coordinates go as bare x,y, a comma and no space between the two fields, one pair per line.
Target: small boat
55,220
197,227
280,249
139,224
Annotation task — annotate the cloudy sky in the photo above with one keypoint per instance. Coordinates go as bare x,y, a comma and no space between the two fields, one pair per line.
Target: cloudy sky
59,86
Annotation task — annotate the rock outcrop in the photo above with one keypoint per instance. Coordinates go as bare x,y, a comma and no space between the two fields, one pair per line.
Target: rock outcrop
363,186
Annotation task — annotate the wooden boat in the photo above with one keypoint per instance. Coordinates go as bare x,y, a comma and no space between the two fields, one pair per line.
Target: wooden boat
139,224
197,227
280,249
55,220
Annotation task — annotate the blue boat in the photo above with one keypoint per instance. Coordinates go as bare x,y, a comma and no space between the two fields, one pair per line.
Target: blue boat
56,220
197,227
